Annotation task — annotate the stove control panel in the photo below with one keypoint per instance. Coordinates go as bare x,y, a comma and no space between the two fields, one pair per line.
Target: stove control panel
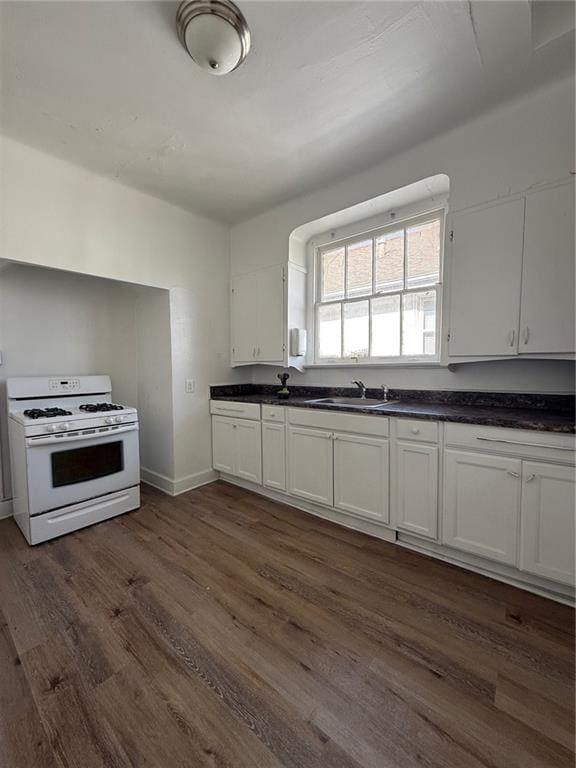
63,385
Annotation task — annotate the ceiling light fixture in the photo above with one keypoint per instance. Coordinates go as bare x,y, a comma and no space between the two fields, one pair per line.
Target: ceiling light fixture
215,34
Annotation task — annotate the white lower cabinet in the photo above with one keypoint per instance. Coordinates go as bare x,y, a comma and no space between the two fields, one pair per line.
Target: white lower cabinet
223,444
508,495
414,488
310,466
361,473
482,504
237,447
274,455
548,512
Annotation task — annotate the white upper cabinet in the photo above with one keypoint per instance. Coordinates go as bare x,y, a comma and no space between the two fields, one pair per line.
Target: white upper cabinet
512,277
547,533
244,318
486,281
270,346
257,317
547,316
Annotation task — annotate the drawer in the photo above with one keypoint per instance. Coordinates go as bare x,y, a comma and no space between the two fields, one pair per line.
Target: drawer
416,429
340,422
234,409
513,442
273,413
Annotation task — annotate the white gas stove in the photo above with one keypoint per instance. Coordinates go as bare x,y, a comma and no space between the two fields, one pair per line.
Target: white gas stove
74,454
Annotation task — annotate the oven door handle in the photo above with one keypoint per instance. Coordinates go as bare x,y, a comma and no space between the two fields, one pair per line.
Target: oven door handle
33,442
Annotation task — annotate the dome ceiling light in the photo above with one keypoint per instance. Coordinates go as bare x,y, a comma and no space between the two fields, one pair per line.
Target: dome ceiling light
215,34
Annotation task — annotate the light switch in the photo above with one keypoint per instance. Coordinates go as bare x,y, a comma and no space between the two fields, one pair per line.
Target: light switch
190,386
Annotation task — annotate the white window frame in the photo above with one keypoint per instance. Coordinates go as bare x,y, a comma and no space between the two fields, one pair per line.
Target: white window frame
324,245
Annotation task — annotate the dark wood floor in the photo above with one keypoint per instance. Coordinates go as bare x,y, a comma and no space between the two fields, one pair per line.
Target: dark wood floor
220,629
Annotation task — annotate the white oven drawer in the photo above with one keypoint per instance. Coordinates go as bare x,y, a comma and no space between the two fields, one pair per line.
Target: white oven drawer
72,467
236,410
61,521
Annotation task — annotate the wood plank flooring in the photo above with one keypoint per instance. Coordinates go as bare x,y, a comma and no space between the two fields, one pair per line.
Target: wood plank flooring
219,629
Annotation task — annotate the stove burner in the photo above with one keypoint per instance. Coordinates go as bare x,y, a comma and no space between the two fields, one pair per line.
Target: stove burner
95,407
48,413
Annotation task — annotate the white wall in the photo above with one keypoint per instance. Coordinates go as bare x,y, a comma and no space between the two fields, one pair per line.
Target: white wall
55,214
518,146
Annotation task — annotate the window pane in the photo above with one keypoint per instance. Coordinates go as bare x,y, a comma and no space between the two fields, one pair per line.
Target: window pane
390,261
356,329
359,274
386,326
329,330
332,274
419,323
423,254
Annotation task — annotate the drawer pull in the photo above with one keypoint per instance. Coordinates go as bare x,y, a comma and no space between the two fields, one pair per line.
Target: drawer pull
415,431
525,445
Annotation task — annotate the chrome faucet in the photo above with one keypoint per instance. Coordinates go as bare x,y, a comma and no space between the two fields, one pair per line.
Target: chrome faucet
361,386
384,389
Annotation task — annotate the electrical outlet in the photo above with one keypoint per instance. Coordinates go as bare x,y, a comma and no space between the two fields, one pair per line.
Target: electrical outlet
190,386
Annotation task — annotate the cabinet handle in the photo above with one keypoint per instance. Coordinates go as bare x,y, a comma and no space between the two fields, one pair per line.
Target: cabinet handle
512,474
258,352
526,335
415,431
526,445
512,337
530,477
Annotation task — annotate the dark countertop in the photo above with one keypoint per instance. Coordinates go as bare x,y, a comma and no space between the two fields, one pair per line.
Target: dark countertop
541,418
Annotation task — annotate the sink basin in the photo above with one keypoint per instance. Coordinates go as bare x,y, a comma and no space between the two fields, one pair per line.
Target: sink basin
352,402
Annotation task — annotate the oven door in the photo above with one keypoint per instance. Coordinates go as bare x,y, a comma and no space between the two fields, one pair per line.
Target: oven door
67,468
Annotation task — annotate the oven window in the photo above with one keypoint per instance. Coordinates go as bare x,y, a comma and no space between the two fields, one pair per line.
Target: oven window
87,463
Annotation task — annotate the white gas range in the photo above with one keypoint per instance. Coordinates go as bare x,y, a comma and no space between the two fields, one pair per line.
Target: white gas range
74,454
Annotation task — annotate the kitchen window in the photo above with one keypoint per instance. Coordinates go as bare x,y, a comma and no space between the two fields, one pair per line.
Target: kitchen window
378,294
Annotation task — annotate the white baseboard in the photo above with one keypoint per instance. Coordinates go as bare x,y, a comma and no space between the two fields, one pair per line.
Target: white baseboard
5,508
176,486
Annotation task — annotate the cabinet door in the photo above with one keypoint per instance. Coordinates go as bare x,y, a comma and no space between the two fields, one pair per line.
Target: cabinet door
485,286
223,444
244,318
361,476
270,342
481,504
310,469
415,488
248,450
547,317
274,455
547,527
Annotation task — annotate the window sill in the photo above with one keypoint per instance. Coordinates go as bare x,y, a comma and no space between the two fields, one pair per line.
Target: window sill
400,364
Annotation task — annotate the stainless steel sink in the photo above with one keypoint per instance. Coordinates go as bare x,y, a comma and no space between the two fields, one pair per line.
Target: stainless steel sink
352,402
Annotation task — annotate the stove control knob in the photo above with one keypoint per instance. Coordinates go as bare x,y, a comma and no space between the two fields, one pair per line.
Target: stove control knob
51,428
109,420
118,419
64,426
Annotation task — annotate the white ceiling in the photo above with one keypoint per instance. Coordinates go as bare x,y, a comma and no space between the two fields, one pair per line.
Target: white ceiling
328,88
